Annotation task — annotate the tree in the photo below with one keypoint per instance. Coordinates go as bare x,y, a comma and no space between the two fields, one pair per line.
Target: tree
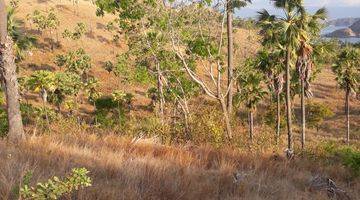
42,82
45,22
309,29
9,79
347,71
271,64
197,36
22,42
230,6
67,84
288,28
252,90
150,54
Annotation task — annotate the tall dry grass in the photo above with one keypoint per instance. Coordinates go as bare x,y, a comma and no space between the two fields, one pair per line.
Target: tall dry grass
122,169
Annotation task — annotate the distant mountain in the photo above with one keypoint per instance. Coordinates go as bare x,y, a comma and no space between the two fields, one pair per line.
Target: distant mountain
342,33
356,27
353,30
342,22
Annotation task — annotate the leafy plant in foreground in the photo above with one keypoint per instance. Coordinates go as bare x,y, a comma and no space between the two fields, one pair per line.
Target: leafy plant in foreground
56,188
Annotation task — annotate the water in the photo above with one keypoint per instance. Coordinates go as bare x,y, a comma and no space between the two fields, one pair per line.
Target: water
332,28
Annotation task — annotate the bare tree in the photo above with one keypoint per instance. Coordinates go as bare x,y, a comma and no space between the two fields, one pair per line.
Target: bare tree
9,79
210,61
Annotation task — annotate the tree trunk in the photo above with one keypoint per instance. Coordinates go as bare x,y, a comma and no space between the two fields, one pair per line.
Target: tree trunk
288,99
226,118
251,125
347,109
302,114
161,93
9,79
230,48
278,117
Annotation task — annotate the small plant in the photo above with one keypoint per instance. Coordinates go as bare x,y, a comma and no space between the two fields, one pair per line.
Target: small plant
123,100
316,113
46,22
78,32
77,62
56,188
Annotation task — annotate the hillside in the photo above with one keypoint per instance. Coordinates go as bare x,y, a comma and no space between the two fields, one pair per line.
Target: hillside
342,33
356,27
133,154
97,43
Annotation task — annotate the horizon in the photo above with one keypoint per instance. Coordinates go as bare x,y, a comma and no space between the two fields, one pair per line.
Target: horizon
348,8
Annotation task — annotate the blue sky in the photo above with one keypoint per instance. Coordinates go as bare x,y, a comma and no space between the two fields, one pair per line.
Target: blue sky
336,8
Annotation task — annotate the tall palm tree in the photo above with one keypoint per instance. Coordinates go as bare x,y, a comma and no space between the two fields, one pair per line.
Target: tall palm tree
9,79
347,71
309,28
288,29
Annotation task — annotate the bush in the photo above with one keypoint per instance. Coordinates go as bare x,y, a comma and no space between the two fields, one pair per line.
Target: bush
270,116
105,103
55,188
316,113
105,119
351,159
348,156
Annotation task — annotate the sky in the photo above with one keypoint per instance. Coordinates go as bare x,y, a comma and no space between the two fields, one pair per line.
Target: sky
336,8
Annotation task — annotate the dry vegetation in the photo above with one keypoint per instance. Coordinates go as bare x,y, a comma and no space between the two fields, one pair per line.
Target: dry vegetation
122,168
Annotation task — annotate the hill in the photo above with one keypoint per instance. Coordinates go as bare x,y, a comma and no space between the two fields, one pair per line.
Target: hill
342,22
342,33
143,159
352,31
356,27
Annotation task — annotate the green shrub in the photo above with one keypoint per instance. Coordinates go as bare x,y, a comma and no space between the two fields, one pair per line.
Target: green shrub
105,103
351,159
105,119
56,188
348,156
270,116
316,113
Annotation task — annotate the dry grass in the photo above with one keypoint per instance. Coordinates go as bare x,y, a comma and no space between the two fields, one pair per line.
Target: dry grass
121,169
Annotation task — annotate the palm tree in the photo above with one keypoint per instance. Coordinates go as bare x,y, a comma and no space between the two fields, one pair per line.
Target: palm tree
271,64
309,30
9,79
22,41
347,71
286,27
252,90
